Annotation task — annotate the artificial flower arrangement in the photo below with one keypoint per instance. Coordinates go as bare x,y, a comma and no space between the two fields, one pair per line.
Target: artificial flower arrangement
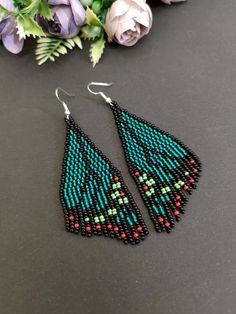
60,25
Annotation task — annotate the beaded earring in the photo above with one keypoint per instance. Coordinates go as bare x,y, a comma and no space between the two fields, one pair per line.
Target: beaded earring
93,195
164,169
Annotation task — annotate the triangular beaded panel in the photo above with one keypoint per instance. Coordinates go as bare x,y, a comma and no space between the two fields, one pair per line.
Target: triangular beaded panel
164,169
94,197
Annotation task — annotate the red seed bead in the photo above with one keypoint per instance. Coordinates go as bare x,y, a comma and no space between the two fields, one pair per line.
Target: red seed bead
176,212
116,179
191,180
178,198
88,228
177,204
98,227
145,188
109,226
122,194
116,229
186,187
76,226
72,217
195,170
167,224
135,235
123,235
192,161
139,228
137,174
160,219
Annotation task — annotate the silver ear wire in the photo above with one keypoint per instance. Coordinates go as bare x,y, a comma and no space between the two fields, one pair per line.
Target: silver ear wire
67,111
107,99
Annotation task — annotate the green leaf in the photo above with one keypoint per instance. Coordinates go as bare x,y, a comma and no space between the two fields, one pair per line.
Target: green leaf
4,12
31,9
44,10
91,31
92,19
77,41
96,51
27,26
107,3
48,48
103,15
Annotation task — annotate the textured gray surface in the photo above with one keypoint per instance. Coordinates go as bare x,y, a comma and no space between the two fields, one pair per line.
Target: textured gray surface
183,78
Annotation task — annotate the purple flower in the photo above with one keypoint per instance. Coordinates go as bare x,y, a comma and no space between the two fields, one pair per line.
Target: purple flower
8,30
68,17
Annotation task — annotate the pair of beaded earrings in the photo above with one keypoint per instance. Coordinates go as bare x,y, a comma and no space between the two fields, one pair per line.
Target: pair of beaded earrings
93,194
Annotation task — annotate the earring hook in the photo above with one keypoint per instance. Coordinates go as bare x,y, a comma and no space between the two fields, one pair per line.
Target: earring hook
107,99
67,111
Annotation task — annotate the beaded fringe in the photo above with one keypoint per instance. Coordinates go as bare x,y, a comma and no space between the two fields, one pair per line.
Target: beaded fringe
94,197
164,169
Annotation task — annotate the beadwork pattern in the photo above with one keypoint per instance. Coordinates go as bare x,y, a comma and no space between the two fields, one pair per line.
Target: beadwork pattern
94,197
164,169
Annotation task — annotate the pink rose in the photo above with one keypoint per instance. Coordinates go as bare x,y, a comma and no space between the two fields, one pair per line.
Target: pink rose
128,20
171,1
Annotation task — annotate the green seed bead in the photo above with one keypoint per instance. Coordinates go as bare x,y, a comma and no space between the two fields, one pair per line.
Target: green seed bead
86,219
148,193
118,185
109,211
186,173
117,194
114,211
114,186
145,176
113,196
120,201
125,200
96,219
141,179
168,189
163,191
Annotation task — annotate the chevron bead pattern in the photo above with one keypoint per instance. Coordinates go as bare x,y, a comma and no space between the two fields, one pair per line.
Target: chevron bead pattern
94,197
164,169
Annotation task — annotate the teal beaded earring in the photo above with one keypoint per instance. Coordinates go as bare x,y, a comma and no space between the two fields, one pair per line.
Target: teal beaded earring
93,195
164,169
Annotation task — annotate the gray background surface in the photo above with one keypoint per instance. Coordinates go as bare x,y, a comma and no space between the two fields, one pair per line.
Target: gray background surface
181,77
